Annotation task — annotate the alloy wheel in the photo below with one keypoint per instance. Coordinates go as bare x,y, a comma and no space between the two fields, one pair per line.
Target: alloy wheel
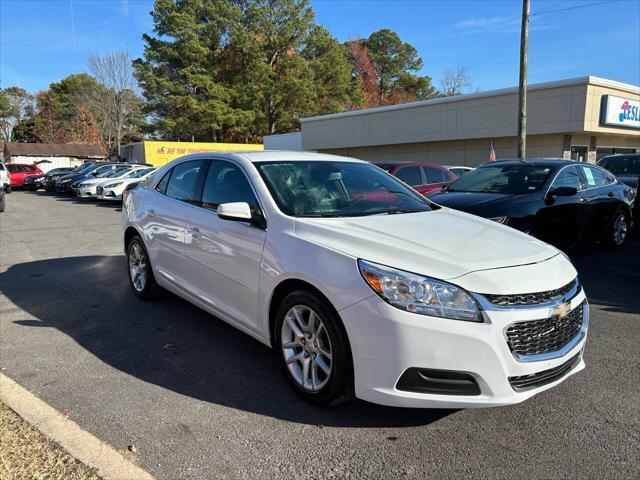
620,228
137,267
306,347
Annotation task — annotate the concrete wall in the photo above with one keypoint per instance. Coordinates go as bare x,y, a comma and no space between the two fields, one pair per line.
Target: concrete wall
458,152
284,141
552,108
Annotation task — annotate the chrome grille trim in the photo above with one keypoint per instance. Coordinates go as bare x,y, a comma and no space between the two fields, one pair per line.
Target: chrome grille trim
483,299
561,351
528,299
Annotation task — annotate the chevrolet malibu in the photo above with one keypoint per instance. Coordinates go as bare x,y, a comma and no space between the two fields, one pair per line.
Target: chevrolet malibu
362,286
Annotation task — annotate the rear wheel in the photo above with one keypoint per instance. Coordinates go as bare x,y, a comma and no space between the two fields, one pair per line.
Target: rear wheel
8,189
314,350
619,229
141,276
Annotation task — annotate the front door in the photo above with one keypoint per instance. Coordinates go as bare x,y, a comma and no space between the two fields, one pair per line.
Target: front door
225,255
563,219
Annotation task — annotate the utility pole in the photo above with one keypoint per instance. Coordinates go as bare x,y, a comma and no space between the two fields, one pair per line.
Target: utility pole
522,92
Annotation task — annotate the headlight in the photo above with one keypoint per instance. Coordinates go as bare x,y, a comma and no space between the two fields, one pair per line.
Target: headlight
502,220
65,181
111,185
418,294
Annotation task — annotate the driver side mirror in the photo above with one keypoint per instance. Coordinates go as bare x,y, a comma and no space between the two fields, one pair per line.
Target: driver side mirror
560,192
241,212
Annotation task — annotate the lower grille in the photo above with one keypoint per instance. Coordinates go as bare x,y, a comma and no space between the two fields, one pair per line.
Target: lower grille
544,336
534,380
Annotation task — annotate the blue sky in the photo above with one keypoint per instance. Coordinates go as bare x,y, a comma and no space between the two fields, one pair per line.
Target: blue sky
44,41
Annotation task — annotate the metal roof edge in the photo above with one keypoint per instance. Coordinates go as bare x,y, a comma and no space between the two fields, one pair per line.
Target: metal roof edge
588,80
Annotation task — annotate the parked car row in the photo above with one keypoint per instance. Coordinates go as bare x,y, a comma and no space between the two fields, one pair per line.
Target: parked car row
98,180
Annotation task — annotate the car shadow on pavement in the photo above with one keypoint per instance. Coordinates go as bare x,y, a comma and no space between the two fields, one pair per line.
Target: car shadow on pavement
173,344
611,278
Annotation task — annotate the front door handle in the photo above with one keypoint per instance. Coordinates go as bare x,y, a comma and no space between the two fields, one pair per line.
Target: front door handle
583,199
610,194
194,232
151,211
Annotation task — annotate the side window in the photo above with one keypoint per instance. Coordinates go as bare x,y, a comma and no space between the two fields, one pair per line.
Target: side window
226,183
434,175
568,177
184,180
593,177
162,184
410,175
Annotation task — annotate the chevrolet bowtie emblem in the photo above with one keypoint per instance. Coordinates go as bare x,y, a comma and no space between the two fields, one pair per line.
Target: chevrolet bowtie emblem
562,310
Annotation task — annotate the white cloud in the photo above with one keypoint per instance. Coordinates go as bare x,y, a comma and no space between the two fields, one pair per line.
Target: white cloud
124,8
488,23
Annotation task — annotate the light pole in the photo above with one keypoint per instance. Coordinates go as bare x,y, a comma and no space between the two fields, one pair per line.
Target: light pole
522,91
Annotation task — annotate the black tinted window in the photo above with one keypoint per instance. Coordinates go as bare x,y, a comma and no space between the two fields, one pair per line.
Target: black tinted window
226,183
183,181
434,175
622,165
162,184
593,177
410,175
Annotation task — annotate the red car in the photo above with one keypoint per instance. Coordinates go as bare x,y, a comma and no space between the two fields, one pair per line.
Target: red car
422,177
19,171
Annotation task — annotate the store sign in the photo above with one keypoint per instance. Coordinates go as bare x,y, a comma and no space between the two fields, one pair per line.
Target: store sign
620,112
157,153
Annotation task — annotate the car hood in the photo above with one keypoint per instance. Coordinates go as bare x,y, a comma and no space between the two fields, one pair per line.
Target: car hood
473,201
442,243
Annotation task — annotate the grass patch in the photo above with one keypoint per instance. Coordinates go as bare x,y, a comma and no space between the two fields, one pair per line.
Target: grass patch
25,453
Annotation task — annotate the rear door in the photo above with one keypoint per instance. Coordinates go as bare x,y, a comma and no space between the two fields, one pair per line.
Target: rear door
167,208
224,256
603,195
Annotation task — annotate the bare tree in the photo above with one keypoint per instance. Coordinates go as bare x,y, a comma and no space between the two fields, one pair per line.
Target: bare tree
454,81
117,101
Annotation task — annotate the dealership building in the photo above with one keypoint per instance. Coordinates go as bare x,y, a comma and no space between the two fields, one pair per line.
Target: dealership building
582,118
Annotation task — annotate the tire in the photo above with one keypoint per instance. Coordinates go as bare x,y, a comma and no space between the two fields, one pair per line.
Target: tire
144,286
2,204
321,343
8,189
619,229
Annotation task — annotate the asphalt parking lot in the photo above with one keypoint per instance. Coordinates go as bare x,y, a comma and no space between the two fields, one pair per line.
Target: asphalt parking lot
199,399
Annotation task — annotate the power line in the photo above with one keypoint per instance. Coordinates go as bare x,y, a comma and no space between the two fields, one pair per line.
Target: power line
574,7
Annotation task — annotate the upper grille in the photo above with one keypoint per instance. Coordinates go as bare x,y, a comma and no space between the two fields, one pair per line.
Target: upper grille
531,298
544,336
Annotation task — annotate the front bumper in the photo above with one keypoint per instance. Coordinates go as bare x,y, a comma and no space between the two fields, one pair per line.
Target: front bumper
386,342
86,191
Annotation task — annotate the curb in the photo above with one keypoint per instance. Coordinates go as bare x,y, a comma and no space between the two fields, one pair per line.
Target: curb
88,449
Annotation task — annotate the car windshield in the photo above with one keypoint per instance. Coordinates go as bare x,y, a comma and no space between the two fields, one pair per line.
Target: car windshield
621,165
337,189
85,167
141,172
510,179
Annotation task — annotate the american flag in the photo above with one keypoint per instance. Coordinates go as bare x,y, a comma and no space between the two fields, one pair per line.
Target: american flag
492,153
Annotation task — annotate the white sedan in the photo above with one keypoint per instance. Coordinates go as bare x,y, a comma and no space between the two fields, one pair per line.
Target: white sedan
363,287
87,188
112,188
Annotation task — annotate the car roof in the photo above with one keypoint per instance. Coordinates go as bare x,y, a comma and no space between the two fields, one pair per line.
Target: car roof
536,162
273,156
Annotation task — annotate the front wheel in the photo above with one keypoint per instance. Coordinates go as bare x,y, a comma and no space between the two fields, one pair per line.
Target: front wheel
314,350
141,276
619,229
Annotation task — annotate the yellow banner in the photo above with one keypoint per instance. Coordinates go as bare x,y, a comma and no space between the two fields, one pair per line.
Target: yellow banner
158,153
